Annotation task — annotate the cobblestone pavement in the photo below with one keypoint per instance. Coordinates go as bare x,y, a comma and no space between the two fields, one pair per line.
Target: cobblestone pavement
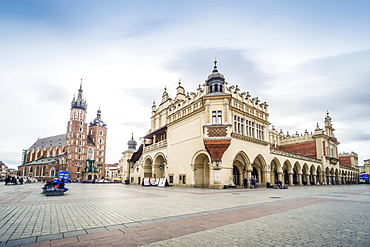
121,215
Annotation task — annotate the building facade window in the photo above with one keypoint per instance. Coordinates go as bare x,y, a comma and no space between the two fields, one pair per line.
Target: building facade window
260,131
216,117
239,125
182,179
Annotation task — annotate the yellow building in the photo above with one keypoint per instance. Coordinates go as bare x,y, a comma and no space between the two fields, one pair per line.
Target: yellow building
216,136
367,166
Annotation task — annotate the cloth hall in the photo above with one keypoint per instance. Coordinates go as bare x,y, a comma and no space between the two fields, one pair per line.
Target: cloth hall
218,135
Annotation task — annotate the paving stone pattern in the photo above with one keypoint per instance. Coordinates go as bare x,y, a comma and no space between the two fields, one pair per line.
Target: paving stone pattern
121,215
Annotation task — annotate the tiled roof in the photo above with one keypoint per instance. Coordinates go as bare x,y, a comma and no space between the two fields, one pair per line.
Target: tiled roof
52,141
43,161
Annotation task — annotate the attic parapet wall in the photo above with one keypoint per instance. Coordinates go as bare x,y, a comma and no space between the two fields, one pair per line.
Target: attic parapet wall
349,168
281,139
178,102
245,102
296,140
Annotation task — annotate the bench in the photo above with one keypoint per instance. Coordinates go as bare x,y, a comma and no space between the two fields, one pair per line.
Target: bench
54,193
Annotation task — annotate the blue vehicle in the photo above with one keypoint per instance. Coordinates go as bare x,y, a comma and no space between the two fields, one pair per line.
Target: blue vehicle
364,178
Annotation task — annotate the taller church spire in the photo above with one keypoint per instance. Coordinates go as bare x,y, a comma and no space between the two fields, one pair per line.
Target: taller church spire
79,103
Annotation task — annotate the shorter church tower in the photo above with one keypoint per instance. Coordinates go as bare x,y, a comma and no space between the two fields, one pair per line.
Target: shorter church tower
96,143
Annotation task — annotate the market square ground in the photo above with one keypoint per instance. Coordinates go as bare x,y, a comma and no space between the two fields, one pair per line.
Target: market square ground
127,215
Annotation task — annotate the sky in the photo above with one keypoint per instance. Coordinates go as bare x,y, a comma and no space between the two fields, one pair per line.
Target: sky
303,58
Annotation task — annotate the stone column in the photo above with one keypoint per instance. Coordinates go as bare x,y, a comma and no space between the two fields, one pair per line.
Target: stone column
314,179
249,175
280,176
266,177
299,177
308,179
291,179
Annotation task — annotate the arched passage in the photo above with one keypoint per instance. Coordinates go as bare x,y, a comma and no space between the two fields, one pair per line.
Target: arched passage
159,166
297,174
236,176
241,167
201,170
259,170
147,165
274,176
287,173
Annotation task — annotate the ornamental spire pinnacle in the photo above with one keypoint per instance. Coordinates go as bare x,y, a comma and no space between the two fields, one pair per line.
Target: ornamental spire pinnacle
215,67
79,102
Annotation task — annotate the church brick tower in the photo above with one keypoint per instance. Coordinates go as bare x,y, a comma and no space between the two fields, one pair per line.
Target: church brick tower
86,144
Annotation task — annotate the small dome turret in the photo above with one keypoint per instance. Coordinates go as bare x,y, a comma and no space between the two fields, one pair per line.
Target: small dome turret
215,81
98,121
132,144
215,73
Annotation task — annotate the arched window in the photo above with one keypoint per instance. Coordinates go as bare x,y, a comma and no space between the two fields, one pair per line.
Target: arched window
90,154
52,173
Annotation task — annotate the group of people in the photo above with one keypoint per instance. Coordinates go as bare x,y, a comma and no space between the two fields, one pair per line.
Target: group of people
51,184
253,181
13,180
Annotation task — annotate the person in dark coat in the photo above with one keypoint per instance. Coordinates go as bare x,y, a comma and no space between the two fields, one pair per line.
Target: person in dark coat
245,182
7,180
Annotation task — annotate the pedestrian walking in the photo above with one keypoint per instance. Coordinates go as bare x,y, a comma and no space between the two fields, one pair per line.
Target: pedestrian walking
253,183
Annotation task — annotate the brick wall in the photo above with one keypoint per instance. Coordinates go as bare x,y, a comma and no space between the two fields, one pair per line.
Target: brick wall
307,149
217,131
216,148
345,161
